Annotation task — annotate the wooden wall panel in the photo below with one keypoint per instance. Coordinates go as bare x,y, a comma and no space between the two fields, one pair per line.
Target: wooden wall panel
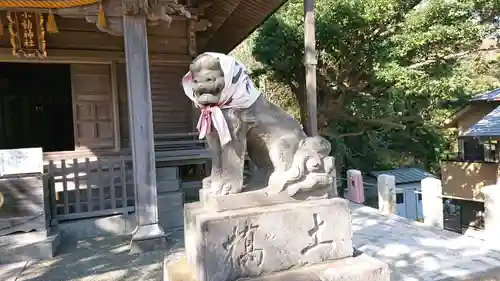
76,34
122,103
78,40
177,28
92,106
172,110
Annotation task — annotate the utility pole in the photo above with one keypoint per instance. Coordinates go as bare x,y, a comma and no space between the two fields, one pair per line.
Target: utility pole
310,67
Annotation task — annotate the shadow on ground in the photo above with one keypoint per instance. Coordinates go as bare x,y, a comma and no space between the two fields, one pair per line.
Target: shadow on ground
100,259
416,252
413,252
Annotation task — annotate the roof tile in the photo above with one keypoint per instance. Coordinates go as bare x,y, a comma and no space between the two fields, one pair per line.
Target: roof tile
405,175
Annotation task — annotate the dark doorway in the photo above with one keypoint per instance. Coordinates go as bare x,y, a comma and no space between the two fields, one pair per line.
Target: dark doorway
36,106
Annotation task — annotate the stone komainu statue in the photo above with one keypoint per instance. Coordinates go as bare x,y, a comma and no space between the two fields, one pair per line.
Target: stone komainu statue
236,118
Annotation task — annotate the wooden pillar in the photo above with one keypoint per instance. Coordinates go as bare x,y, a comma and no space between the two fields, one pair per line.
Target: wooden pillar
149,235
310,67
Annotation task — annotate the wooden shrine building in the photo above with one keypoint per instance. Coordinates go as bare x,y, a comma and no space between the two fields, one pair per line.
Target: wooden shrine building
97,85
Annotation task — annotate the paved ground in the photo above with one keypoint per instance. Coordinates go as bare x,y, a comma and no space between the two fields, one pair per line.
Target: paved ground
418,253
97,259
413,252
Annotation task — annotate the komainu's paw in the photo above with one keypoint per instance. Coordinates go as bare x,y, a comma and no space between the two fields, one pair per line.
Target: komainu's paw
311,181
218,186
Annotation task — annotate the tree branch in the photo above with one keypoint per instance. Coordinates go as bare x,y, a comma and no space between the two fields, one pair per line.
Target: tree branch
394,23
383,122
386,122
431,61
449,57
339,136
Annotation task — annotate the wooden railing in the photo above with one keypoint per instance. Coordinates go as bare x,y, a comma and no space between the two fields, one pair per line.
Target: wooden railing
91,187
86,185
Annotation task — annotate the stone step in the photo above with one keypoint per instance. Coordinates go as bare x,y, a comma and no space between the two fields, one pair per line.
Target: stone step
360,268
28,246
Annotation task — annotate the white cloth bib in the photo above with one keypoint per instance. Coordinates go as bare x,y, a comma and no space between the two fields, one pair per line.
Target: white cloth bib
241,94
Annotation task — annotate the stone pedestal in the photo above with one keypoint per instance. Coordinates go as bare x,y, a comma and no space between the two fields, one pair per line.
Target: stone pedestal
38,245
25,209
258,198
24,204
312,236
262,240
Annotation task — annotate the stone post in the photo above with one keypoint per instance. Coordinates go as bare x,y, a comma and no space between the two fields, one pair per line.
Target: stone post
432,202
386,186
355,188
491,214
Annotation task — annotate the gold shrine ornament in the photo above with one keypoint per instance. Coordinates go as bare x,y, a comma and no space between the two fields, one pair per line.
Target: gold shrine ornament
46,4
27,34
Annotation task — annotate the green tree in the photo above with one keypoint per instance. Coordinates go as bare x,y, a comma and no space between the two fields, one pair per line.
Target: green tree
385,69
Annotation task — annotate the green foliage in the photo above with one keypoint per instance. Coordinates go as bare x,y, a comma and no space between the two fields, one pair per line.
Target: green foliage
385,67
280,94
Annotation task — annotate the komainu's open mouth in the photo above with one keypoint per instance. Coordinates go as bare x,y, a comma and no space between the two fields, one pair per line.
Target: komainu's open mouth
208,99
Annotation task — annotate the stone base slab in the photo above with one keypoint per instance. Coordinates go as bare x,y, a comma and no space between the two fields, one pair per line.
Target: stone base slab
359,268
142,246
28,246
257,198
224,246
148,238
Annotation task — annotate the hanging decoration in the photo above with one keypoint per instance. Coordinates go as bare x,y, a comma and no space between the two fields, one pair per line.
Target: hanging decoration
46,4
1,25
101,17
27,34
51,23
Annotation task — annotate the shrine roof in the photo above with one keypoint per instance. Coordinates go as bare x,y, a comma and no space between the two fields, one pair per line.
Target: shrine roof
405,174
233,21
